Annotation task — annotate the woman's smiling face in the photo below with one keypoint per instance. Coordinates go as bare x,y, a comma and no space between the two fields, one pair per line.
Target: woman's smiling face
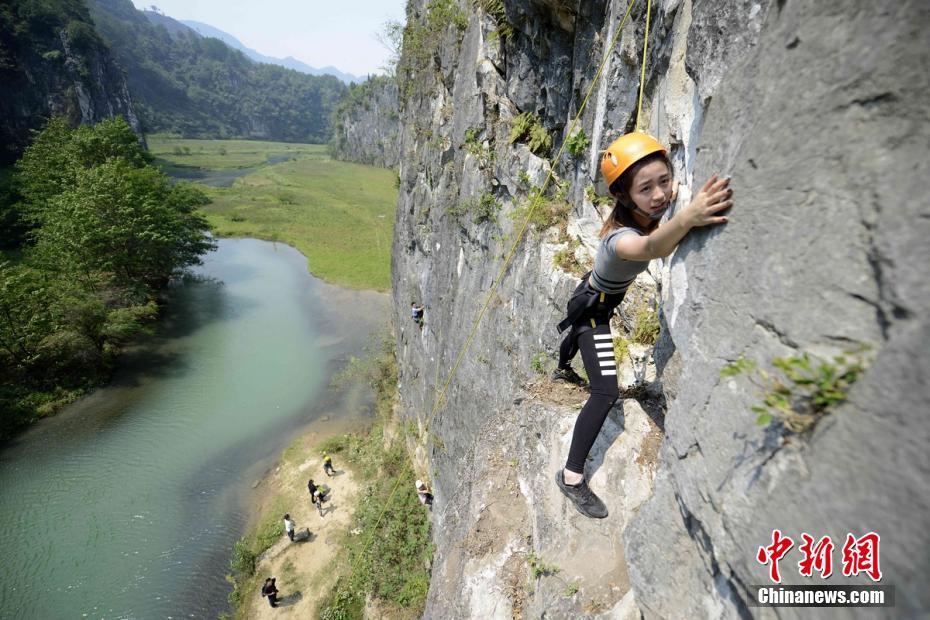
651,188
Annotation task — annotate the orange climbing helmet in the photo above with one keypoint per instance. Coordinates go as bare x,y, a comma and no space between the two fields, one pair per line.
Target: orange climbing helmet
626,151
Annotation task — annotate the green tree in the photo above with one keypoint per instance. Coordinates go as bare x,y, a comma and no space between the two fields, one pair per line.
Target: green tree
25,315
129,223
109,231
59,155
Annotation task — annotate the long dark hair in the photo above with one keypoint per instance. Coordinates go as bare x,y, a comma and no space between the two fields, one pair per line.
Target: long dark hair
622,214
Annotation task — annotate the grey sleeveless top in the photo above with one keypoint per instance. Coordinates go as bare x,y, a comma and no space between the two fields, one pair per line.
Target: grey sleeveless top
612,274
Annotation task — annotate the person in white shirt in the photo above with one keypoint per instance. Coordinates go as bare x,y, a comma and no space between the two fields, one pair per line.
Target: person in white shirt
289,527
426,498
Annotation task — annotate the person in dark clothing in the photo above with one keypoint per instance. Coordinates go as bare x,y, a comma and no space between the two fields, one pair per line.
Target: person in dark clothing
316,495
416,313
637,171
424,495
271,591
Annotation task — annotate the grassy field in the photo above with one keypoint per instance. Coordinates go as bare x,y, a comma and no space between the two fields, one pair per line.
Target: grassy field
222,154
339,215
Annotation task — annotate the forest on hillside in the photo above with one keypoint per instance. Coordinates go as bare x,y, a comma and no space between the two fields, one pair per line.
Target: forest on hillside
198,86
88,60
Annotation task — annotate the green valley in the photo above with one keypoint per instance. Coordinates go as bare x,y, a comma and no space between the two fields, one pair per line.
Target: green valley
339,215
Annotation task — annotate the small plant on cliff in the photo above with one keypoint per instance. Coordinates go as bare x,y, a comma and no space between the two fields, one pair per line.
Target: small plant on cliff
621,348
801,389
421,39
646,330
571,589
497,11
448,11
474,145
543,213
577,143
472,138
538,363
538,568
594,198
737,367
528,128
566,259
524,179
482,209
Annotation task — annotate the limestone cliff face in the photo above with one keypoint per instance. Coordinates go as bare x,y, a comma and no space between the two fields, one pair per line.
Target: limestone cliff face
366,126
817,111
62,68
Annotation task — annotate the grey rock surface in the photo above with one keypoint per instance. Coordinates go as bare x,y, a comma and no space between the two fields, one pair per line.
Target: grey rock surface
367,125
77,79
817,111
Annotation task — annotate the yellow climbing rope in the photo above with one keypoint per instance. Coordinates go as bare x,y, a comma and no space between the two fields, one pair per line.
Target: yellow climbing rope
642,73
441,394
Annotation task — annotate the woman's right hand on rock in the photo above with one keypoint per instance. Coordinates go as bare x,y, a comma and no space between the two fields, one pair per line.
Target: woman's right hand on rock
713,198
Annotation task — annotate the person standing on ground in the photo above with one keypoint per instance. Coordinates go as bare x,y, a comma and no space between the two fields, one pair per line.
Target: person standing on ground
315,495
271,591
328,465
640,177
289,527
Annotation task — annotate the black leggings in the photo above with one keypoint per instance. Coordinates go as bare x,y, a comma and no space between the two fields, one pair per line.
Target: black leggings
597,352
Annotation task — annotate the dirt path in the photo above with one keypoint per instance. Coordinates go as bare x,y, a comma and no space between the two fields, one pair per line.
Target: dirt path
303,568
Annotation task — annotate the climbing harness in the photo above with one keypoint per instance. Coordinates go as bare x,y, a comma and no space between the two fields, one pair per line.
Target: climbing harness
441,394
589,302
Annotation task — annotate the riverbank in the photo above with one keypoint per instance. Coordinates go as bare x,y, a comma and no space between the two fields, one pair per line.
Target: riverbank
304,569
340,215
364,554
148,481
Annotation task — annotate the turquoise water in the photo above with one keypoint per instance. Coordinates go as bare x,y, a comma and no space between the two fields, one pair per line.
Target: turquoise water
126,505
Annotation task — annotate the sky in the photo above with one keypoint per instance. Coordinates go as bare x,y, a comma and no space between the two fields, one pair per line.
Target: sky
320,33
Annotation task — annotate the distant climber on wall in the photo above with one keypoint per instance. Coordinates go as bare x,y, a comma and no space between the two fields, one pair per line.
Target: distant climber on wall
423,494
639,175
416,313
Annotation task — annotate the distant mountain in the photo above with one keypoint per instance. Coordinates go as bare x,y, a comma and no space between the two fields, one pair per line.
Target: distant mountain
183,82
290,62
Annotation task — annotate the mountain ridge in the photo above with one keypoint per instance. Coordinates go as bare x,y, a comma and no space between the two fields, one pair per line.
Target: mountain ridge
288,62
199,86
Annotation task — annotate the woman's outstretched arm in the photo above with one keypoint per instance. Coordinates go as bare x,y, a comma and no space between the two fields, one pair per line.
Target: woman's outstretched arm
714,197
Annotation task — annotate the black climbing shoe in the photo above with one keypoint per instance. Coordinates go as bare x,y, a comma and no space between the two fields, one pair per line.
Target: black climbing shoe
587,503
568,375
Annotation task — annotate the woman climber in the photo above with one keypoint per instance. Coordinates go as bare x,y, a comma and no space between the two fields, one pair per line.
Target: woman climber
639,175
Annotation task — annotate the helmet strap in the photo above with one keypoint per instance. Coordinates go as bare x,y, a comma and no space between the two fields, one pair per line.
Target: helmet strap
651,216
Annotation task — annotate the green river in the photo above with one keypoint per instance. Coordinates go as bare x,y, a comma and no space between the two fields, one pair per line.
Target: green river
127,504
